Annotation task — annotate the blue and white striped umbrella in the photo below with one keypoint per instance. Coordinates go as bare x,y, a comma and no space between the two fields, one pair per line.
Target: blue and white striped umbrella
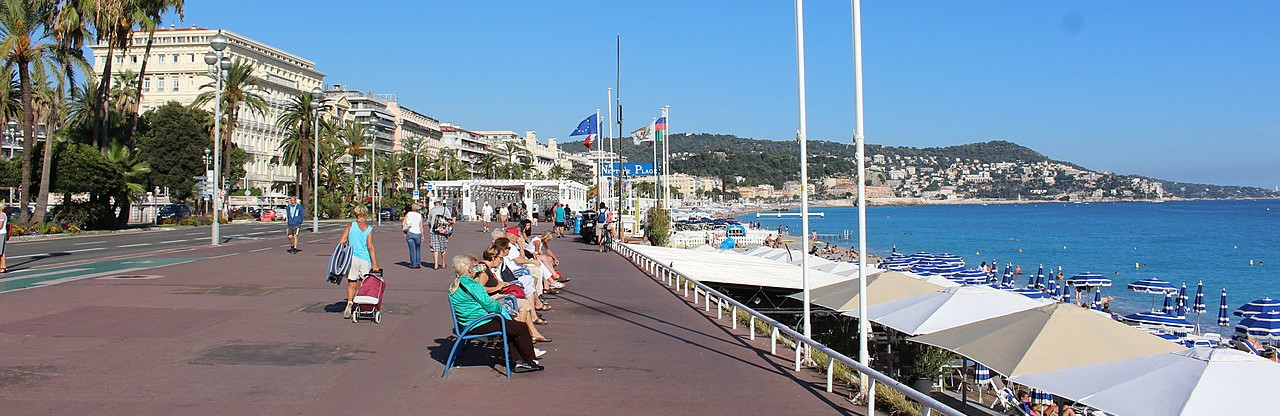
1066,294
970,277
1199,307
948,270
981,373
1051,286
1040,397
1160,320
1180,303
1097,300
1223,319
1263,326
1263,305
1039,284
1168,303
1088,280
1007,277
1029,292
1153,286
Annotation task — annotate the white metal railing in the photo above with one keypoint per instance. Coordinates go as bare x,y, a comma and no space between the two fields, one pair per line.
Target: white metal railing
682,284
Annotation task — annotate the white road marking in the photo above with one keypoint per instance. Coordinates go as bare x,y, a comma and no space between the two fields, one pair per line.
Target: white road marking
54,254
134,245
171,241
88,243
261,249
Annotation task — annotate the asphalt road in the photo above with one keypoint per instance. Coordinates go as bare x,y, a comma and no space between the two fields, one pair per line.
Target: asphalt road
57,251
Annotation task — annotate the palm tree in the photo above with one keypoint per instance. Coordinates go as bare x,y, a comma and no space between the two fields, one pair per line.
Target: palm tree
556,172
81,103
113,21
20,44
124,96
350,138
69,33
239,88
488,165
135,169
148,15
47,105
298,147
510,149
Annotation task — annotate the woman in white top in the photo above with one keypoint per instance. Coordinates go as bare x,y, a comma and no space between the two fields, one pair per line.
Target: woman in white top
412,227
538,246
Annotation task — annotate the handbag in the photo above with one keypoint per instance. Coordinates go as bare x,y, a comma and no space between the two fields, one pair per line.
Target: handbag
513,290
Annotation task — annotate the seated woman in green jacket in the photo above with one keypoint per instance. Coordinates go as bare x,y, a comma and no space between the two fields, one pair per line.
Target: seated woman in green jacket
470,302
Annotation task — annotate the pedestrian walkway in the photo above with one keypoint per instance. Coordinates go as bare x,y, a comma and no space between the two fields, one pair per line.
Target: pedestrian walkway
251,329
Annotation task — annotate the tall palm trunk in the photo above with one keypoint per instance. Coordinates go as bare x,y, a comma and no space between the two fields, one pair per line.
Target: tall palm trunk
142,72
28,139
100,113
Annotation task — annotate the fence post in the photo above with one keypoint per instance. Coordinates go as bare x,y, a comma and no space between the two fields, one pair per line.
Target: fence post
751,326
800,353
735,316
773,341
831,372
707,297
871,396
719,308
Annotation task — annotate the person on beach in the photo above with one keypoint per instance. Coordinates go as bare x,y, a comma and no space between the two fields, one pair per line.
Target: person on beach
364,259
470,304
1017,270
486,215
294,215
411,224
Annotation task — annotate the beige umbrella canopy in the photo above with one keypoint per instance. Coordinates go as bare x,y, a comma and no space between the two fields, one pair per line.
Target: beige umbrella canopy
1051,337
884,287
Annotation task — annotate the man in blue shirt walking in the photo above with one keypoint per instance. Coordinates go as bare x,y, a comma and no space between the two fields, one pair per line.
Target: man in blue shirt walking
294,214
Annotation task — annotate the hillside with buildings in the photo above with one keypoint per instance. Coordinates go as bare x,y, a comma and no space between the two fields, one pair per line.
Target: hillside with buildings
995,170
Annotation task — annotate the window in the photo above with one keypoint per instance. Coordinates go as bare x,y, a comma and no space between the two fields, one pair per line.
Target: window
175,58
160,58
133,58
175,84
146,84
120,59
193,57
159,84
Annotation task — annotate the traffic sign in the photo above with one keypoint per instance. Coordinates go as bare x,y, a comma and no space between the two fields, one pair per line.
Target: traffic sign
415,194
199,178
429,187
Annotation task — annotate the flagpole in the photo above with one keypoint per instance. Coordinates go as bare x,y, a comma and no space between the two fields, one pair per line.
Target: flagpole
859,137
618,85
666,158
804,170
654,145
599,156
608,103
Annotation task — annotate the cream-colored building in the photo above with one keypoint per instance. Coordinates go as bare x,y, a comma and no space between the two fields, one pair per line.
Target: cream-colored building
176,71
689,186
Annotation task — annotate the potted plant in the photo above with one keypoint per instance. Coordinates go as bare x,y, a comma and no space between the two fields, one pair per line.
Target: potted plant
923,365
659,226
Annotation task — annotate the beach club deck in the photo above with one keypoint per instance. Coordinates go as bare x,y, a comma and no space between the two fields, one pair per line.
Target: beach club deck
246,328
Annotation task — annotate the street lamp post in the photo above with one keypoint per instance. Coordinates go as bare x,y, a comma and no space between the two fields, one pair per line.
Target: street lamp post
207,159
317,95
217,64
373,173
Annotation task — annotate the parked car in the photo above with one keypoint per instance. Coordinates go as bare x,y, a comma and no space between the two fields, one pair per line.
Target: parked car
173,212
388,214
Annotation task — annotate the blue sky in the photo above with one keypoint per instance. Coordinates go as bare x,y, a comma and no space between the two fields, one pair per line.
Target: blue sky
1172,89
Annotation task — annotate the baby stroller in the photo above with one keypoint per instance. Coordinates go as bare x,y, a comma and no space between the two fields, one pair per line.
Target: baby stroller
368,301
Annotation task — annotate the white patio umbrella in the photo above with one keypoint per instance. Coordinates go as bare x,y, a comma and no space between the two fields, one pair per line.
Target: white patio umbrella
1047,338
947,308
884,286
1196,381
838,267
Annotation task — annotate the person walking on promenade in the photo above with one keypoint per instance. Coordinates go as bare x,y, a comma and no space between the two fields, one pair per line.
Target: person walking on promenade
294,214
503,212
412,226
4,240
486,215
559,214
364,259
441,230
604,220
533,215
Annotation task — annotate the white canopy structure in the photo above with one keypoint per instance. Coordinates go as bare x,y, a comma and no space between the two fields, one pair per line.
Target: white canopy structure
1197,381
735,268
947,308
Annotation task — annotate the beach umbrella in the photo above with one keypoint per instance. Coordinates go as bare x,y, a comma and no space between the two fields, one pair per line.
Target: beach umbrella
883,287
1152,285
1088,280
1159,320
1041,397
1195,381
1263,326
1223,319
1051,337
1031,280
1030,292
1040,277
1066,294
1097,300
970,276
1199,307
1007,280
1258,306
1180,306
1051,287
981,373
948,308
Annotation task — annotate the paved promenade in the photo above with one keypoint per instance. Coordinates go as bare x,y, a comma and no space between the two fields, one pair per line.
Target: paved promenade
248,329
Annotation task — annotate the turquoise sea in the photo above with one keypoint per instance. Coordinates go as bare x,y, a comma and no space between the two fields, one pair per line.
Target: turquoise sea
1186,241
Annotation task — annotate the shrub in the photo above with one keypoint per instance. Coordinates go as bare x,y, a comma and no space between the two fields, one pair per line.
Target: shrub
659,226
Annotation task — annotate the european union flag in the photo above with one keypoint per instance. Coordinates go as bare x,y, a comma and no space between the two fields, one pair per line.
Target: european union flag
587,126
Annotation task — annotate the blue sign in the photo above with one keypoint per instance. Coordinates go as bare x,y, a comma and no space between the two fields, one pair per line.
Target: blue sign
415,194
628,169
